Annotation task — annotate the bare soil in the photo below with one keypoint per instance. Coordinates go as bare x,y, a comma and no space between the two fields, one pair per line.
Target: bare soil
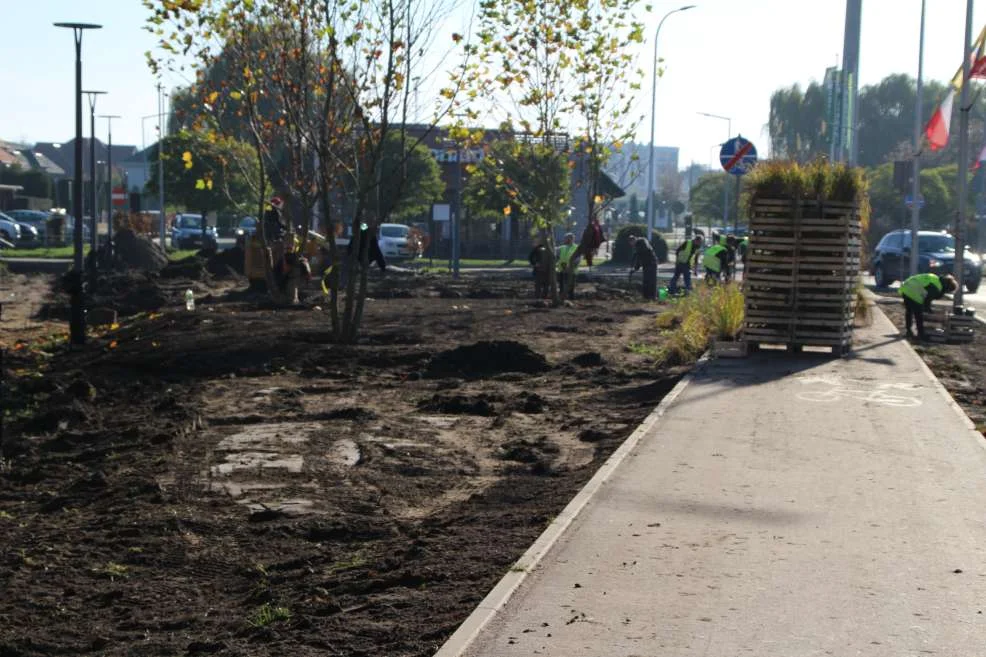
227,481
960,367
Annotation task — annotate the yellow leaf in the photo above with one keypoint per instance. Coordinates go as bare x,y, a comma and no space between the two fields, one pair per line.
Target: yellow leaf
188,165
199,184
507,211
114,326
208,184
113,344
598,199
235,95
213,96
186,156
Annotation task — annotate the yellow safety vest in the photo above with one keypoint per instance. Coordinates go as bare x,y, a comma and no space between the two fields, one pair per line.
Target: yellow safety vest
565,252
915,287
711,258
685,255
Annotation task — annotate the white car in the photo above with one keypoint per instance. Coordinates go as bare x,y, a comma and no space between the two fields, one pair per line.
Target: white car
393,241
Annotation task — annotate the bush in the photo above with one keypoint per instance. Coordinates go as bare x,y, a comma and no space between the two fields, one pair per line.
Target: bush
623,248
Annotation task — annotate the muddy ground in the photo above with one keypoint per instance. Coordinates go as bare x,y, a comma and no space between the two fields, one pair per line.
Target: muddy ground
960,367
227,481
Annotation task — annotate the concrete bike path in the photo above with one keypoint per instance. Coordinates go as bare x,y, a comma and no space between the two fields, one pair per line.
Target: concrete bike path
784,505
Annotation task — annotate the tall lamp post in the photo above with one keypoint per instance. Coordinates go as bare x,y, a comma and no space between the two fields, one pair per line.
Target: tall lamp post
653,110
916,171
109,182
92,180
77,319
725,186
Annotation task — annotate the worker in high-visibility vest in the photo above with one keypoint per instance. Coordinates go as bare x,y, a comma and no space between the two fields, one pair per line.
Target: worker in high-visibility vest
715,260
918,292
565,253
686,257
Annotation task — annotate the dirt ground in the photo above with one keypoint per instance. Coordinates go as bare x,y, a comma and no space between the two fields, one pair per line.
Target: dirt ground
226,481
960,367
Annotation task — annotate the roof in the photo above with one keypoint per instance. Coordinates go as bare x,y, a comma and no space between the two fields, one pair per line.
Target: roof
63,155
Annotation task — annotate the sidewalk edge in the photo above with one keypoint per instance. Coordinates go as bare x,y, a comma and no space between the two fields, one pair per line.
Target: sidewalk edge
498,597
940,387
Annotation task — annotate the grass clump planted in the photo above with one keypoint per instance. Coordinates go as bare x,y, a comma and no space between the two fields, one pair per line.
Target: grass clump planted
695,320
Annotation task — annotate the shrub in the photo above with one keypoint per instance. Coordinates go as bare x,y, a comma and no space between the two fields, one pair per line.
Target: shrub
694,320
623,247
726,310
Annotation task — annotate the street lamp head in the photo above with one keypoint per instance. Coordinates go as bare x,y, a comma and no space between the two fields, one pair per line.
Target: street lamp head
79,26
94,93
686,7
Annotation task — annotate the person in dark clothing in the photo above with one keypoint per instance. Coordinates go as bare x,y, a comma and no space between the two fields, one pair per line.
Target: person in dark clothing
367,241
686,256
730,270
644,258
918,292
541,270
274,228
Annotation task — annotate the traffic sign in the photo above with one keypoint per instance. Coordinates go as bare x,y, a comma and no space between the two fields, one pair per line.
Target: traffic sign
909,201
738,156
119,196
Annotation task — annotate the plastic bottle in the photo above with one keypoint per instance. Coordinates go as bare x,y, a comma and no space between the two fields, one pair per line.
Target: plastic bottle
189,300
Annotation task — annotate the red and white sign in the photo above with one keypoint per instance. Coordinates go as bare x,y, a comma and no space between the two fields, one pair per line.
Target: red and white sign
119,196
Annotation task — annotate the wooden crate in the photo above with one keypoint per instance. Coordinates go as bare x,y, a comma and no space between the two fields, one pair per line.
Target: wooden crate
801,270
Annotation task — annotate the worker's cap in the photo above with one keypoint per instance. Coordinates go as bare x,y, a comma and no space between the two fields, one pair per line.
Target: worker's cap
277,203
572,235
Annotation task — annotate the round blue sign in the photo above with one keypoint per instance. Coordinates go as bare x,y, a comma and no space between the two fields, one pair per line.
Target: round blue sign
738,156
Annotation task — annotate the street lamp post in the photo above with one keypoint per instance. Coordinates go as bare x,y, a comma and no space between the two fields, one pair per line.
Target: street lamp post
653,110
725,186
916,172
92,181
109,184
160,161
77,320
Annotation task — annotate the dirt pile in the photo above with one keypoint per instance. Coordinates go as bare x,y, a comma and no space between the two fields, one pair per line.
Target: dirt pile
133,251
487,358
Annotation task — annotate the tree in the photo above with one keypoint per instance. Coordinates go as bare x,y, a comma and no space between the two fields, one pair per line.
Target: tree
551,70
321,86
517,180
201,173
797,123
420,184
706,199
36,182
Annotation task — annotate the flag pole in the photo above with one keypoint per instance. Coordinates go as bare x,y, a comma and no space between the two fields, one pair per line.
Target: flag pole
916,172
964,108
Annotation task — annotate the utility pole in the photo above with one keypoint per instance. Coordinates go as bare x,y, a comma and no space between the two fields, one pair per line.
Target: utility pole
92,183
77,319
160,159
109,185
916,170
850,77
964,106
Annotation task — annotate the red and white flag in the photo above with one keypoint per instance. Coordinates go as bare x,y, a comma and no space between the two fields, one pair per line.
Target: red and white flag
937,129
979,160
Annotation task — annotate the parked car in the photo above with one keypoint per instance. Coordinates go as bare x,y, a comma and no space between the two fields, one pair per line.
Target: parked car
393,241
10,230
186,233
246,228
936,254
36,219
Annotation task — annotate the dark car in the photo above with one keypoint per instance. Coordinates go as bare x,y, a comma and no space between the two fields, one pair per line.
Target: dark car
936,254
186,233
36,219
246,228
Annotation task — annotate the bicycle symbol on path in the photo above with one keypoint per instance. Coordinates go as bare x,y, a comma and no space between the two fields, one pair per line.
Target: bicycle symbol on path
836,389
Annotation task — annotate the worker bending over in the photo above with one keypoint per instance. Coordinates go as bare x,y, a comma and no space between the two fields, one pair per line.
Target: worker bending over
918,292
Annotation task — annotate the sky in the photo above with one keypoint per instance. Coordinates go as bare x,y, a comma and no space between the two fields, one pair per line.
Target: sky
723,57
